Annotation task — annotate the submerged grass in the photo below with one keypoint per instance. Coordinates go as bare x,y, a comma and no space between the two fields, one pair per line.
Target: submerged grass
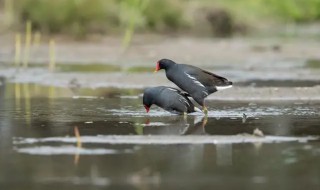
94,67
313,63
139,69
90,67
73,67
19,91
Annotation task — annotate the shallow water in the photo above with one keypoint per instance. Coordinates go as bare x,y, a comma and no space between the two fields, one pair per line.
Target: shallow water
123,147
280,83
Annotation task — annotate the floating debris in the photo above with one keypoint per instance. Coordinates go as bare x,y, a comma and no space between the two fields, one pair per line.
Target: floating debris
244,118
258,133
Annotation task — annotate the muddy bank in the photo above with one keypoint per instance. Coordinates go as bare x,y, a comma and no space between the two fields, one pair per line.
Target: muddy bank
261,69
301,85
146,49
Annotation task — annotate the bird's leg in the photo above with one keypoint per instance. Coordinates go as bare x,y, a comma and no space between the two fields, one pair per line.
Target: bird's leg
185,115
204,123
205,120
205,110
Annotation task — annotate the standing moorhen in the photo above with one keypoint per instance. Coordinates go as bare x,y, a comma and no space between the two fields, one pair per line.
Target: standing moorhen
195,81
170,99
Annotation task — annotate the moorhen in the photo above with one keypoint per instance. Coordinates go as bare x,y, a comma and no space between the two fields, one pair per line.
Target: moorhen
195,81
170,99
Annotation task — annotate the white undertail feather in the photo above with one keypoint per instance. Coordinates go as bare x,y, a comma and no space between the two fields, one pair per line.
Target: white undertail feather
172,89
223,87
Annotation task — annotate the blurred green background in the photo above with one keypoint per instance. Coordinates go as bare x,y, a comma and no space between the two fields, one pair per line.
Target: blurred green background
223,18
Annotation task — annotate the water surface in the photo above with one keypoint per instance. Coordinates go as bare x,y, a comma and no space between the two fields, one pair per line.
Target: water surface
124,147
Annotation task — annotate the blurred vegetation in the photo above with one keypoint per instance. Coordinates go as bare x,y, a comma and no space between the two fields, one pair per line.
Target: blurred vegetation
313,63
139,69
94,67
276,10
296,10
81,17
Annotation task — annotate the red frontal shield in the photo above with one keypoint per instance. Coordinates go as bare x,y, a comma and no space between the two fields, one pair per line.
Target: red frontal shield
147,108
157,67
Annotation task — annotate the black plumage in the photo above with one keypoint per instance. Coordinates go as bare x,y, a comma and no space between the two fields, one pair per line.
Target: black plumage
195,81
170,99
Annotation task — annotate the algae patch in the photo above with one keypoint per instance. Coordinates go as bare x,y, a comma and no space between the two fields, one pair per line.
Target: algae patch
139,69
88,68
313,63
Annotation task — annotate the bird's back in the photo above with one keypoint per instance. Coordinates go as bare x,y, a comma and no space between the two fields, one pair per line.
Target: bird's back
173,100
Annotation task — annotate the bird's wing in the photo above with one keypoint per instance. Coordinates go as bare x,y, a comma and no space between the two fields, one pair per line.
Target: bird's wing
215,78
185,94
173,100
206,78
179,106
184,101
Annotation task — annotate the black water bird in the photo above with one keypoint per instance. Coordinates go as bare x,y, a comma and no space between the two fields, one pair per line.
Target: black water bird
170,99
195,81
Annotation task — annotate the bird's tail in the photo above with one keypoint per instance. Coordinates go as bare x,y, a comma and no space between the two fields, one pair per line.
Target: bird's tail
224,84
219,81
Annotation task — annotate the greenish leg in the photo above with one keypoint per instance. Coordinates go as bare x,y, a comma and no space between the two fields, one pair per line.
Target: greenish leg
205,110
185,114
204,123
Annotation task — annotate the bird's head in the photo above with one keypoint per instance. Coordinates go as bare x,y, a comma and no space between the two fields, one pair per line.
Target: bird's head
147,99
164,64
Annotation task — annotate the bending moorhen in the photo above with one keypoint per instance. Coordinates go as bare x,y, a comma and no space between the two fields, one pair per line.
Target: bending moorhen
170,99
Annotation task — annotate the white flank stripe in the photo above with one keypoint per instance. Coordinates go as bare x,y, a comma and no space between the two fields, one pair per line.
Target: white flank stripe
194,80
223,87
172,89
205,92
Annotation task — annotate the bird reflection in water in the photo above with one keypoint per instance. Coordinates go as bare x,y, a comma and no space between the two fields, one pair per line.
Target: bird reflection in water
197,127
176,125
221,154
